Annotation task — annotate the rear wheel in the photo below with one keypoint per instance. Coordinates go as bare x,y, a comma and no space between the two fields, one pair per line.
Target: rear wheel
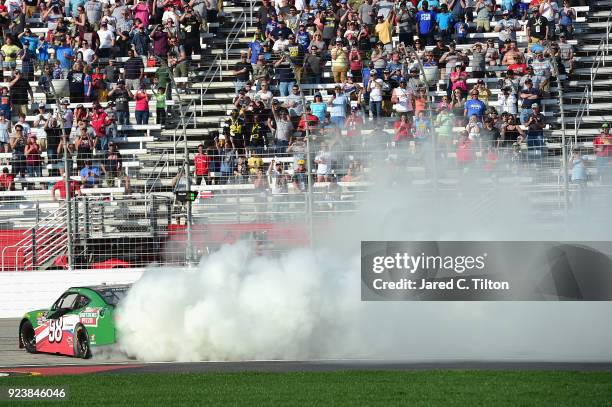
81,343
27,336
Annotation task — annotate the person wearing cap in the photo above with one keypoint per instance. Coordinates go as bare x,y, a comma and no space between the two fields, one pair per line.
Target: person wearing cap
474,106
339,103
529,96
566,52
242,71
285,75
491,56
340,63
121,96
383,30
506,101
444,19
106,40
507,28
537,27
425,24
542,71
535,128
20,89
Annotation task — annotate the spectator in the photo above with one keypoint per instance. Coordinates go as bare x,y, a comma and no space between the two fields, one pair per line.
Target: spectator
33,158
537,27
201,161
243,71
339,106
160,106
85,145
529,96
7,180
112,165
474,106
384,27
313,65
18,144
20,89
425,24
535,125
133,71
142,105
60,185
90,174
602,145
285,75
121,97
324,162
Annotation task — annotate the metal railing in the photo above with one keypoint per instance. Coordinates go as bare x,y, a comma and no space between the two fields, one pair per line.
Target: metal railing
41,243
239,25
188,117
163,163
213,70
603,50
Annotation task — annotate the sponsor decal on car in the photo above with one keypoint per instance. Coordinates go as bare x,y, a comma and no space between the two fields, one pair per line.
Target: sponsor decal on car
89,317
41,317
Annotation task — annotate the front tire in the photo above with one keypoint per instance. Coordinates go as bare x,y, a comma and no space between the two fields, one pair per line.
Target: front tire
81,343
27,336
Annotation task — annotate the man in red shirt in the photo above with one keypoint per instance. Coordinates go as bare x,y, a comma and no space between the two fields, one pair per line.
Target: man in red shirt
201,162
75,188
7,180
99,121
603,150
313,121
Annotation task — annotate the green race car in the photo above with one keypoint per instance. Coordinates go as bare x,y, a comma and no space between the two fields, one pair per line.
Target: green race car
81,317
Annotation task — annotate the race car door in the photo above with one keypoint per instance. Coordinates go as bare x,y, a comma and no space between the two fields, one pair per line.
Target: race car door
56,334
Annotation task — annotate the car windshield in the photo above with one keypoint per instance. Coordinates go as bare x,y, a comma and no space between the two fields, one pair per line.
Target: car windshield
112,295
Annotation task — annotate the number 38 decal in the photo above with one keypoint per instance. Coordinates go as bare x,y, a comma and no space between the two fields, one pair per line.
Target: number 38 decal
55,330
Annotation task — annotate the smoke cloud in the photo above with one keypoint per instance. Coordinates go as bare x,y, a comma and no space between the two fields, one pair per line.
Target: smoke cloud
305,304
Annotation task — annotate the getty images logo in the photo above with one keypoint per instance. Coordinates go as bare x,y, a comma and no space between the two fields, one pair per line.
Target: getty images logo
412,264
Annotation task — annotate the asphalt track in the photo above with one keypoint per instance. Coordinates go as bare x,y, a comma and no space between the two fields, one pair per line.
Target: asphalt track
13,359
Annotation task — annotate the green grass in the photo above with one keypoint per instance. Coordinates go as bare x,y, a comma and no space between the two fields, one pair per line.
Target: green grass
426,388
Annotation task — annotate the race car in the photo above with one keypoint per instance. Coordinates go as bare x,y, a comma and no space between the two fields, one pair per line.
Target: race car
82,317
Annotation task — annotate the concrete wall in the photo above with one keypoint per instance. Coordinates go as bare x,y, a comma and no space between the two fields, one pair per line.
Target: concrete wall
25,291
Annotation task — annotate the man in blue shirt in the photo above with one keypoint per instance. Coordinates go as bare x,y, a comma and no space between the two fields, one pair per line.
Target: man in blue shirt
89,174
474,106
65,55
339,104
255,48
444,20
425,24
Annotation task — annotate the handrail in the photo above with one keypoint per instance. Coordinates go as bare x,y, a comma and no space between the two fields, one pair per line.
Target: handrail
587,96
48,225
164,161
216,63
184,122
233,35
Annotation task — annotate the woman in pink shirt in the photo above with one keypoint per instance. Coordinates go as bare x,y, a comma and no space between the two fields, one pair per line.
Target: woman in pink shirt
142,106
142,12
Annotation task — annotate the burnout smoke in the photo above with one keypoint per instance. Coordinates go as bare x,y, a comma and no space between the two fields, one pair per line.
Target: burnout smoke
306,304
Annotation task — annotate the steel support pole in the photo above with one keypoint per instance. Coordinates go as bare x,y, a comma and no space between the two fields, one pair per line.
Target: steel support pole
309,209
68,201
434,140
563,141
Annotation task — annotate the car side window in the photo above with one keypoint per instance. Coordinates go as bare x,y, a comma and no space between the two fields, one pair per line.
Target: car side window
81,302
69,301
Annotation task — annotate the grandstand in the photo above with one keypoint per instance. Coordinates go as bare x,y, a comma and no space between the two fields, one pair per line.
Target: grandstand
134,216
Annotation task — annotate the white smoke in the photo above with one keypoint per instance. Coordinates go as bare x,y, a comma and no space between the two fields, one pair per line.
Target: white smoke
306,304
